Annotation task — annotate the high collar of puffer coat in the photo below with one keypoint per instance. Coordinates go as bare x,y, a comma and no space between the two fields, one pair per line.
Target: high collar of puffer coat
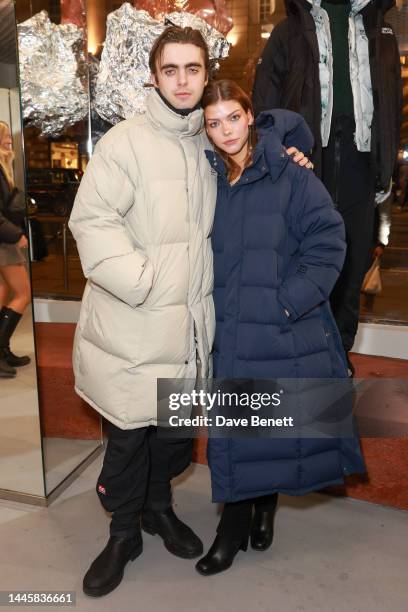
277,131
356,6
166,120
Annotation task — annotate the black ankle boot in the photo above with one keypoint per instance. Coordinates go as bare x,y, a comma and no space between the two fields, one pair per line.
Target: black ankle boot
9,320
6,371
262,529
178,538
106,572
220,556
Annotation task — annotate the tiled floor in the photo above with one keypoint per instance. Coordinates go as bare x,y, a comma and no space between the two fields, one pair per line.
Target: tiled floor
328,554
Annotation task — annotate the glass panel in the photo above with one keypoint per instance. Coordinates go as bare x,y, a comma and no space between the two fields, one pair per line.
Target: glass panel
55,101
56,159
21,466
56,134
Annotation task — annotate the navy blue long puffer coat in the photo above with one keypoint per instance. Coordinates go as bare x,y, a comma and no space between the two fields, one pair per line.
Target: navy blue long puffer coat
278,244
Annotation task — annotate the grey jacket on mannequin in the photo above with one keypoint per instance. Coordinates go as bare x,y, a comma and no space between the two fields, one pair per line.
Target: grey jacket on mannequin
295,72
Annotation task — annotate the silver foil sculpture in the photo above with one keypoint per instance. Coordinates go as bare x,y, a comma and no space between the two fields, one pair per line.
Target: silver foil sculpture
124,68
53,74
217,43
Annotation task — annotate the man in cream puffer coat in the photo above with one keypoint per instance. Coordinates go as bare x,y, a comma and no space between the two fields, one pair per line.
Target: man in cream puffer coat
142,219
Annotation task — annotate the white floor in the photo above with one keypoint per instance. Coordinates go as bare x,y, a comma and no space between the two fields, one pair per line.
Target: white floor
329,555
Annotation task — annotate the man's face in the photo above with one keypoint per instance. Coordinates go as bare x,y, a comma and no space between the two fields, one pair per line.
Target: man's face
181,75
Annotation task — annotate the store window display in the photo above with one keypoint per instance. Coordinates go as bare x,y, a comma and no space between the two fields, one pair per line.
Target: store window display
337,63
55,107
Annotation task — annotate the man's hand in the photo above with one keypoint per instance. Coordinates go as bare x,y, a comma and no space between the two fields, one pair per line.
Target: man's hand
299,158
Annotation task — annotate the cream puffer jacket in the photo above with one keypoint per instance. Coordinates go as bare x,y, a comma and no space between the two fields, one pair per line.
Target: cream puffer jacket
142,220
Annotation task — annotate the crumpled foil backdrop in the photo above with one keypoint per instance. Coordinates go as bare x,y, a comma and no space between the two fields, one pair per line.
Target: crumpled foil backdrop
124,68
217,43
53,74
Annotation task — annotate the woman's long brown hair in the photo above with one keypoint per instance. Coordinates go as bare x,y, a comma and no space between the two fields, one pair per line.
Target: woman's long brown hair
227,90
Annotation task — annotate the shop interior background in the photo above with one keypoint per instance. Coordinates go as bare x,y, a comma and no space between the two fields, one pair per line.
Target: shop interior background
59,433
55,164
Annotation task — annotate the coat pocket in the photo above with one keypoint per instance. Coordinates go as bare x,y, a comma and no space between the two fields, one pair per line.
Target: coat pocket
112,325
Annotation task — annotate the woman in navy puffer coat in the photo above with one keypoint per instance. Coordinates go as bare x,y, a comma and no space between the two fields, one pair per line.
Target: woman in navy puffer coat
278,249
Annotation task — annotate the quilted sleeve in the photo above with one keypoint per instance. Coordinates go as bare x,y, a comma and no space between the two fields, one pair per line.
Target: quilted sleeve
319,230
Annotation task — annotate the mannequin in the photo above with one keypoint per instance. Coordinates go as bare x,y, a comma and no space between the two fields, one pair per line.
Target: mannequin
336,62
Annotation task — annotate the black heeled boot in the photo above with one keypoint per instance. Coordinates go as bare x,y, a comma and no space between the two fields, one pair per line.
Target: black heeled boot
221,555
9,320
106,572
178,538
262,524
232,536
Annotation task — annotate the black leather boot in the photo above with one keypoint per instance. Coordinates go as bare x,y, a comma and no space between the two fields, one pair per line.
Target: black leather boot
6,371
221,555
9,320
178,538
106,572
262,524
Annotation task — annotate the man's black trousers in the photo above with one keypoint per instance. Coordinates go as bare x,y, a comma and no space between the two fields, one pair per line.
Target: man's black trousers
136,473
349,177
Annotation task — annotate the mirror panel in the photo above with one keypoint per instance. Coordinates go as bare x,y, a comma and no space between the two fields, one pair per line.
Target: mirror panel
20,434
45,441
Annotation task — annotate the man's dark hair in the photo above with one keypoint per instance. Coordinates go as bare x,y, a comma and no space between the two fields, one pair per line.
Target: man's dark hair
176,34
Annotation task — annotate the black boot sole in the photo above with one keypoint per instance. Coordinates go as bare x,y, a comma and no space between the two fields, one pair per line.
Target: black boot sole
172,548
108,588
215,572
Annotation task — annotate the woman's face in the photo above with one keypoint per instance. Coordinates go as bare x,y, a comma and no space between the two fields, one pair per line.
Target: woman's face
6,141
227,125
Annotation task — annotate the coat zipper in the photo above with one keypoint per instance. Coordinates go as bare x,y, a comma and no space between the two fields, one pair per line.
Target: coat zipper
194,335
